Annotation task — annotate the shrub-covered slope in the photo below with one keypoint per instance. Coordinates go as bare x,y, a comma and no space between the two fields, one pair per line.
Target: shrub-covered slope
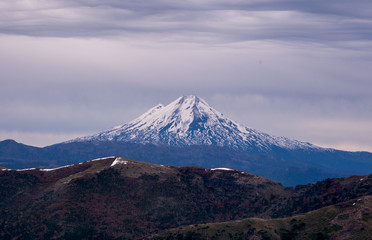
349,220
117,198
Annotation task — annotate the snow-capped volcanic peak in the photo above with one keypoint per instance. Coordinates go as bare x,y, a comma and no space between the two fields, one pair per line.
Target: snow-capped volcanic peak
177,117
189,120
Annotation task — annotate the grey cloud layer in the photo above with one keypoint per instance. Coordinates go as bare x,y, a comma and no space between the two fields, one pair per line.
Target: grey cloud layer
318,21
296,68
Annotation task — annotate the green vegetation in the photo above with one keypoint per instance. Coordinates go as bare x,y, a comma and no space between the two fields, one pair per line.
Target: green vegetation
130,200
353,221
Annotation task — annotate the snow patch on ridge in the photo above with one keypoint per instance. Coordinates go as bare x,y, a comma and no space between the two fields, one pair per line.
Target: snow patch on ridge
53,169
118,161
222,169
65,166
98,159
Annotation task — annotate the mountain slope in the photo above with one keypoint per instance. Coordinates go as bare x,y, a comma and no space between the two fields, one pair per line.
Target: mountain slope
189,120
190,132
117,198
350,220
289,171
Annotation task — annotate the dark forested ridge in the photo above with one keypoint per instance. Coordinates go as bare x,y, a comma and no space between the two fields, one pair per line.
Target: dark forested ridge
348,220
287,167
118,198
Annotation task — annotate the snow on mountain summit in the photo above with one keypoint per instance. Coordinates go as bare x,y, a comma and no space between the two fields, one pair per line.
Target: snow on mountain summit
189,120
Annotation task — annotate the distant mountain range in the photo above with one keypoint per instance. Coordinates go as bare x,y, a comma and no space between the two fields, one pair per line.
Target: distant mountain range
119,198
188,132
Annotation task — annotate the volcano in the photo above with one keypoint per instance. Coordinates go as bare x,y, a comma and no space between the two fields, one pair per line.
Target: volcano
190,120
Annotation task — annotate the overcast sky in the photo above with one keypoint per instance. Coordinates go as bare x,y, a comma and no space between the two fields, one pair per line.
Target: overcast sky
295,68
